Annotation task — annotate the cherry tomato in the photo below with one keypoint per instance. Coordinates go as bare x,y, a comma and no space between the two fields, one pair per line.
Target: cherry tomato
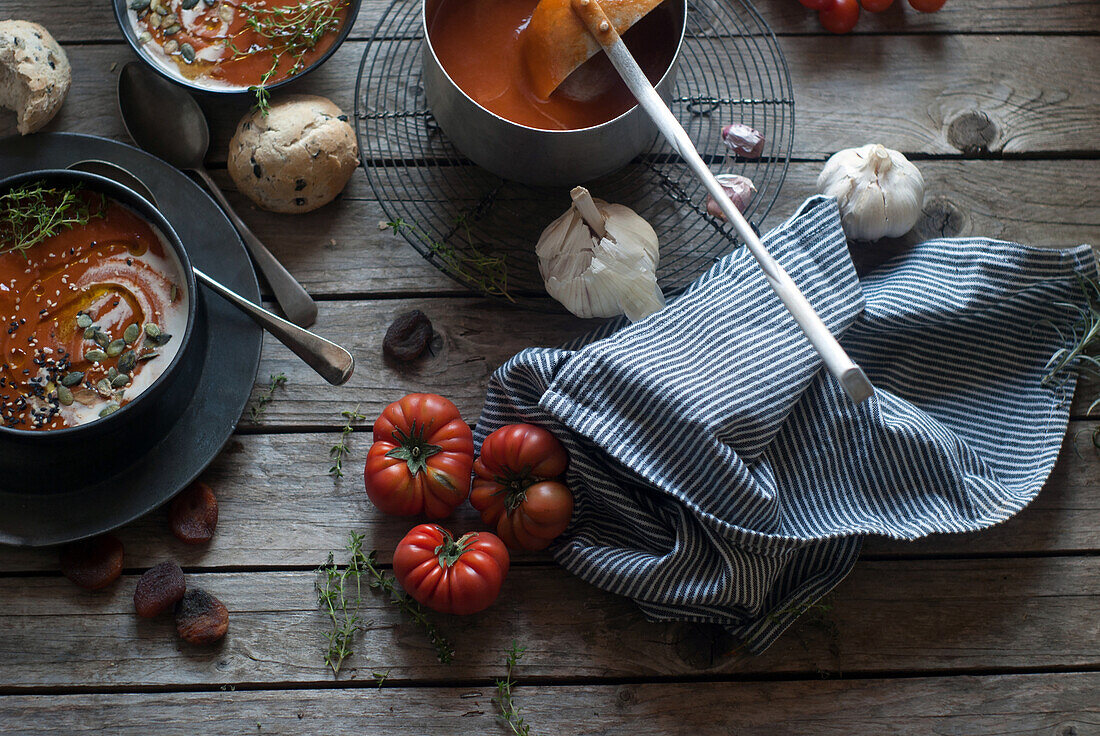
421,458
515,486
814,4
926,6
449,575
840,16
875,6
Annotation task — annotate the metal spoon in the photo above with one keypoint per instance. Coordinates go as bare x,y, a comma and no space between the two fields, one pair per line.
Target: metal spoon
168,123
332,362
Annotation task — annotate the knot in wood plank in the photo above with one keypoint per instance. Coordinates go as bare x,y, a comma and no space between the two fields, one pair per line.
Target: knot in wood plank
940,218
973,132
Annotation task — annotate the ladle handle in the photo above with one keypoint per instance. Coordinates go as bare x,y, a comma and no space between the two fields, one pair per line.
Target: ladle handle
332,362
845,370
296,304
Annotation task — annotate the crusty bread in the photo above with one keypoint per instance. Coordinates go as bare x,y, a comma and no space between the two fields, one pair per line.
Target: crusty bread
34,73
296,158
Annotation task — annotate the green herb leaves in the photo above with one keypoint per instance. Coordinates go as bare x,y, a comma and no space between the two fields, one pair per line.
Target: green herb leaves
509,712
259,404
340,450
32,213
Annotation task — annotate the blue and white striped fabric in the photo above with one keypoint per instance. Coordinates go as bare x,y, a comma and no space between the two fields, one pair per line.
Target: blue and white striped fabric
720,475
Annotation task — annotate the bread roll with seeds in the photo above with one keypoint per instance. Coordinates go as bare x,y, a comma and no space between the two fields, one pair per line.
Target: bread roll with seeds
296,158
34,73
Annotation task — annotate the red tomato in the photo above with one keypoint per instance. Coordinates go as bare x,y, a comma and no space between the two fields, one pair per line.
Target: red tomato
421,458
875,6
839,16
814,4
460,576
514,488
927,6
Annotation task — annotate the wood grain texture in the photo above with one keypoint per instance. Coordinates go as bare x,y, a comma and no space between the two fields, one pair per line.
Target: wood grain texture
1020,705
922,86
279,507
891,616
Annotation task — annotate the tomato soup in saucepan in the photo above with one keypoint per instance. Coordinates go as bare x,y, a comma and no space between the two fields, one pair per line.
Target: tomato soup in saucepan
478,44
237,43
89,312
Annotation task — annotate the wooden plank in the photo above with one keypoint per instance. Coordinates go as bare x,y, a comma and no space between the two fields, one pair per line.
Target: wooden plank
279,507
931,94
977,706
96,22
912,616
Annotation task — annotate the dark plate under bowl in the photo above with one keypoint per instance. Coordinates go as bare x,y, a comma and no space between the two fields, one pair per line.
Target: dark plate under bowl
73,453
128,32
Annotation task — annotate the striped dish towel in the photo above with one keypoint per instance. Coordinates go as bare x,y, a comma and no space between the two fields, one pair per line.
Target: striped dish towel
721,476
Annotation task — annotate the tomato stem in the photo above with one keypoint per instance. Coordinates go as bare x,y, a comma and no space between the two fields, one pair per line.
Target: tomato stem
413,449
451,549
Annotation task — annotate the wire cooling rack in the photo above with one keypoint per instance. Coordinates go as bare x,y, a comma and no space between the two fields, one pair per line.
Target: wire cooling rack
481,230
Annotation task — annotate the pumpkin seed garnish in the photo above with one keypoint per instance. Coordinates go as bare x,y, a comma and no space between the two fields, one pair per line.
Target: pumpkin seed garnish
171,46
187,51
111,373
83,321
115,348
103,386
127,362
131,334
139,5
72,378
188,4
172,29
65,396
145,37
120,380
101,338
152,330
90,332
95,356
156,19
109,409
148,355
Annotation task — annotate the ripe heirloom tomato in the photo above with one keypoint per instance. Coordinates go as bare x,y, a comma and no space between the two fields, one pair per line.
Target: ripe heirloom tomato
839,16
460,576
514,486
876,6
421,458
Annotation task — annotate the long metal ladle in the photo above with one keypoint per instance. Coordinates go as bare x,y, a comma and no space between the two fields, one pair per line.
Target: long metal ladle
332,362
168,123
845,370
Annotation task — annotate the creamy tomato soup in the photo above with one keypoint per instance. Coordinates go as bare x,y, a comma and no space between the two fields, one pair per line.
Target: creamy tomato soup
92,316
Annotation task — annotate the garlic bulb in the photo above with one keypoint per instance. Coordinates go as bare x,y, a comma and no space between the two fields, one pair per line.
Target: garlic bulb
879,191
600,260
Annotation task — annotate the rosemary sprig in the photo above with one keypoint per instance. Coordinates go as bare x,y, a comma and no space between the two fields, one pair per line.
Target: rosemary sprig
484,272
259,404
1082,346
291,30
341,449
32,213
509,712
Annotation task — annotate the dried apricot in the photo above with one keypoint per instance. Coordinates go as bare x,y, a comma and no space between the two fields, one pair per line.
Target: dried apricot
201,618
408,337
193,515
158,589
92,563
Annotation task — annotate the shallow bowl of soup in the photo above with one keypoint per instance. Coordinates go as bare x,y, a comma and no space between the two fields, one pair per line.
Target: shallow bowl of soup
235,46
479,91
97,299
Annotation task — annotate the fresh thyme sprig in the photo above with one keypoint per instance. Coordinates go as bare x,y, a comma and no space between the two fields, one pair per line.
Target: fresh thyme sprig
259,404
339,593
32,213
292,30
340,450
484,272
509,712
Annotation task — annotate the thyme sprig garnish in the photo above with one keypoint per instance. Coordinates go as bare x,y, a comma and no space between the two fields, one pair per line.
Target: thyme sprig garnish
509,712
484,272
33,213
259,404
291,30
341,449
339,594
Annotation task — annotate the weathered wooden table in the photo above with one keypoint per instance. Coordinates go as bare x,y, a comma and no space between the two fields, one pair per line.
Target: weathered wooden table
987,633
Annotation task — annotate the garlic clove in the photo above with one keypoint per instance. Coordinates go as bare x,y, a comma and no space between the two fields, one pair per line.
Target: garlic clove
739,189
742,140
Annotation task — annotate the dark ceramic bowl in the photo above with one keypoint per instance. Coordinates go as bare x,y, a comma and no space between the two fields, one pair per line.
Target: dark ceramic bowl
41,461
122,15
